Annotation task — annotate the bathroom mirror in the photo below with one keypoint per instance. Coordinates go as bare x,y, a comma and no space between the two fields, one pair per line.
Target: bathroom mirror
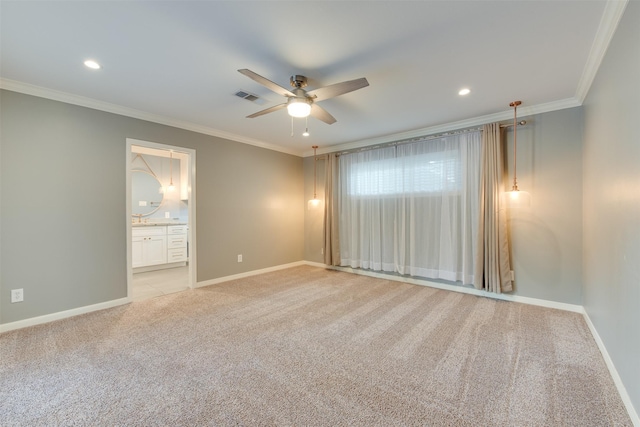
146,194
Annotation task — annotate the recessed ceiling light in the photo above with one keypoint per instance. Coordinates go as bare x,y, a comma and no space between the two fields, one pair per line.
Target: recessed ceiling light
464,91
92,64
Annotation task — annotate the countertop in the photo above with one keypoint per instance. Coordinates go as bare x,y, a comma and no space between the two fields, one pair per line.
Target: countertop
156,224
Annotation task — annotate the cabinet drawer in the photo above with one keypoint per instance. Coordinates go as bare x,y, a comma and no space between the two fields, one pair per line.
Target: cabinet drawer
148,231
177,241
177,255
177,229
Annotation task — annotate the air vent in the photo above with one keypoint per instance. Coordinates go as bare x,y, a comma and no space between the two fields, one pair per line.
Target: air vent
246,95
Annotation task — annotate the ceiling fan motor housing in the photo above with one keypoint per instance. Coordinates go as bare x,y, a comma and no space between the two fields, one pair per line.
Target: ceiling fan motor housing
298,81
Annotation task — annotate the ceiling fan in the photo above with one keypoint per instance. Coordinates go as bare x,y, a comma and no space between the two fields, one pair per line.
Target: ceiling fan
302,103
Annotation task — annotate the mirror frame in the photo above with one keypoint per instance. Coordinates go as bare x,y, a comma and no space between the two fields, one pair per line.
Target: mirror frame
133,171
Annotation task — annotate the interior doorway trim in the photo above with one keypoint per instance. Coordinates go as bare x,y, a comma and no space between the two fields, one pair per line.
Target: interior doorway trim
191,207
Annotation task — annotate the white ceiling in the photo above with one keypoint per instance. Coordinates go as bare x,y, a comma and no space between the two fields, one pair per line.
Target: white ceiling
176,62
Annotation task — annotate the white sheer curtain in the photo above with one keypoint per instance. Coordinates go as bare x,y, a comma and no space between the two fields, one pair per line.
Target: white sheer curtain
413,208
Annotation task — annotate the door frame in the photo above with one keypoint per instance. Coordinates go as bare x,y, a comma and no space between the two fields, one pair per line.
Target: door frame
191,207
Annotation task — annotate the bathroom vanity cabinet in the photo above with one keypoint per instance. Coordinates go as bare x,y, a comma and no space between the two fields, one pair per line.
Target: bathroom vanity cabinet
158,246
176,243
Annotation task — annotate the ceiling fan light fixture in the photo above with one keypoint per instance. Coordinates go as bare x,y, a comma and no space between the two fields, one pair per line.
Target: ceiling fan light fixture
298,107
300,103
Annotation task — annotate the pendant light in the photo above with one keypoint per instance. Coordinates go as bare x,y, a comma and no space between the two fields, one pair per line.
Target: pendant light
171,186
315,202
516,198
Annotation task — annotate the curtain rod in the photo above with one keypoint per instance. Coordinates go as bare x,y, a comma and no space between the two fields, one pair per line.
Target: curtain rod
423,138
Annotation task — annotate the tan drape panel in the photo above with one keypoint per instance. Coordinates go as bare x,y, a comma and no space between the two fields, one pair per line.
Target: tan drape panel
492,266
331,218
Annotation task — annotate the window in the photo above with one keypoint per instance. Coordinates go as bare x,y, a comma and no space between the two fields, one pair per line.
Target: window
413,208
426,173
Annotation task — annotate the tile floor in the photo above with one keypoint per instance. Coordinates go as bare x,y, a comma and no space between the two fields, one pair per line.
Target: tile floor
152,284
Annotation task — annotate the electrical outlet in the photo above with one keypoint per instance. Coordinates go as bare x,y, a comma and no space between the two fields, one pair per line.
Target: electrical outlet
239,257
17,295
167,214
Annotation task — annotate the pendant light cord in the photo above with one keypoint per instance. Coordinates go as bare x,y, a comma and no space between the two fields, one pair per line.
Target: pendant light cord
171,167
515,104
315,161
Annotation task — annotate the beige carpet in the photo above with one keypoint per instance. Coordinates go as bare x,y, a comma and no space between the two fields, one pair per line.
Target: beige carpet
309,347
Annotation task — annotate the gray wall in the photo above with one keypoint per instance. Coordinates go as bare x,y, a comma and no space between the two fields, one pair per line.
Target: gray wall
63,204
612,202
547,237
314,219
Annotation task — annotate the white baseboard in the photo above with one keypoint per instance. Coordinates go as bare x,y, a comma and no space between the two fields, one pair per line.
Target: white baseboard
249,274
315,264
614,372
472,291
514,298
62,315
6,327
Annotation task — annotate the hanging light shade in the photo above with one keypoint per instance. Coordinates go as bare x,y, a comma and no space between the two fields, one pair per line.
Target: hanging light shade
516,198
298,107
315,202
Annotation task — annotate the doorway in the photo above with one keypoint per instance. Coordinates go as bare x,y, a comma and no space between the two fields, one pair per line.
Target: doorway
161,250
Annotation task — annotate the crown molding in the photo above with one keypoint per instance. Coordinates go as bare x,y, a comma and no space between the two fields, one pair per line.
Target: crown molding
612,14
28,89
613,11
55,95
447,127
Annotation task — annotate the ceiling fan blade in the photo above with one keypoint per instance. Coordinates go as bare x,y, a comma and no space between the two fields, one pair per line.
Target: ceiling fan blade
267,111
266,83
337,89
321,114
